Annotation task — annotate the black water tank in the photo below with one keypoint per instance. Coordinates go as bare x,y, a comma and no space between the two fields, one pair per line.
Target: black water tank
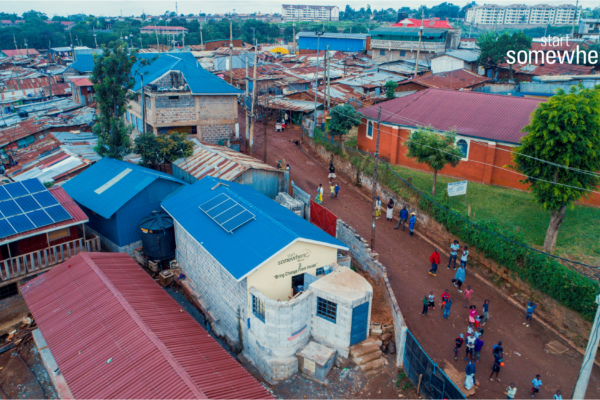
158,236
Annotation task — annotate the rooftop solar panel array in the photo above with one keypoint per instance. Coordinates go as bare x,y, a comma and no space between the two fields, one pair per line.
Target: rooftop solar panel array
28,205
226,212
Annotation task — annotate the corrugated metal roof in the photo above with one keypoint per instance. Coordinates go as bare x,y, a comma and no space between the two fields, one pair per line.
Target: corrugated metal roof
107,185
465,55
249,246
480,115
115,333
361,36
81,82
231,163
282,103
77,216
457,79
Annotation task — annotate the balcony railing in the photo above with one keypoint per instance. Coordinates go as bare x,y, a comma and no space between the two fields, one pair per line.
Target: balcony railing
41,260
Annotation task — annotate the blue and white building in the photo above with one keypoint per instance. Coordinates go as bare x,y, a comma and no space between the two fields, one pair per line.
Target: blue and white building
267,279
353,42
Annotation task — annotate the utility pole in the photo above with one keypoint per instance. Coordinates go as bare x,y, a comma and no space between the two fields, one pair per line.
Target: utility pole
328,86
246,102
575,19
589,357
294,30
27,47
253,101
231,52
143,105
201,40
156,33
374,194
317,81
419,48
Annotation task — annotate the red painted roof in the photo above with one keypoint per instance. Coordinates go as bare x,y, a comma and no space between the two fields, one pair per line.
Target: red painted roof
427,23
488,116
69,205
115,333
20,52
457,79
81,82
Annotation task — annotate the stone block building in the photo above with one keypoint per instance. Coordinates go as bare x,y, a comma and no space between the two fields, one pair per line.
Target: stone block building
180,96
267,279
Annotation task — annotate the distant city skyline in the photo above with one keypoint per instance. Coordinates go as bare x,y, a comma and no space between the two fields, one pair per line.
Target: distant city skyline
136,7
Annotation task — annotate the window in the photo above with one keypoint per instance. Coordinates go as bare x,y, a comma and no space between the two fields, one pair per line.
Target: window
382,52
402,53
258,308
320,271
326,309
370,130
463,146
59,234
9,291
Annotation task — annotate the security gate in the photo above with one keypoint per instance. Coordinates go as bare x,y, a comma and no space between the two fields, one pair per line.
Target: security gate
360,319
323,218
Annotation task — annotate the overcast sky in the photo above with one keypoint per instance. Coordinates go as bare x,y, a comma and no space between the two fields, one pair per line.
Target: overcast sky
136,7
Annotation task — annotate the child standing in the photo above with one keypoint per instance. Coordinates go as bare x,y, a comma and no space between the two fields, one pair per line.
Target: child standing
446,307
431,300
468,293
529,312
478,347
445,298
464,256
425,305
453,254
537,383
332,190
337,189
458,344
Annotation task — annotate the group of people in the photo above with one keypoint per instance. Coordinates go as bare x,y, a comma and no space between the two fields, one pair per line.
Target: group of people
334,188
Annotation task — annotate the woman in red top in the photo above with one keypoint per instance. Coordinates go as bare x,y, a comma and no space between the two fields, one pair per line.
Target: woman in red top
435,261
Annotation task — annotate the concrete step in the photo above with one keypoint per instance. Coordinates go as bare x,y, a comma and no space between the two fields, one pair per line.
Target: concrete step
380,362
367,357
374,372
359,350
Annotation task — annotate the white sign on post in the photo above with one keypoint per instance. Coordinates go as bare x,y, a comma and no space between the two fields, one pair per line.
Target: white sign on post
457,188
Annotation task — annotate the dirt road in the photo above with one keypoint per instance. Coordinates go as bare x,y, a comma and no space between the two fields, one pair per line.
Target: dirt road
407,262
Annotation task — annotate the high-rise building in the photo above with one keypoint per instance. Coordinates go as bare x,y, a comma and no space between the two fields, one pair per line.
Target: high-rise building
310,13
521,14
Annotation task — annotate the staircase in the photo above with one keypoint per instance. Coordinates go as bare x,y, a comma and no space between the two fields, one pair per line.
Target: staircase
367,355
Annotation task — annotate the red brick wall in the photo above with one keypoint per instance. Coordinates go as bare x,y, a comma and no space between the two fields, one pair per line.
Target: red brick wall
392,149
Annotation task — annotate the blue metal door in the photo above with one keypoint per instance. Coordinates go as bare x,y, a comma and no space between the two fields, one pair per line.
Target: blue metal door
360,316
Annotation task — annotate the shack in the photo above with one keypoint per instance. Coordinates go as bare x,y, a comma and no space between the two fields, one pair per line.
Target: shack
116,195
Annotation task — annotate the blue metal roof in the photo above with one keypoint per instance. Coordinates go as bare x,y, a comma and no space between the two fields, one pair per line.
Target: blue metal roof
254,243
107,185
84,63
199,80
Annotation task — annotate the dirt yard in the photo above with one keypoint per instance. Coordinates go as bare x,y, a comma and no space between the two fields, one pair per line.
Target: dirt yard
407,262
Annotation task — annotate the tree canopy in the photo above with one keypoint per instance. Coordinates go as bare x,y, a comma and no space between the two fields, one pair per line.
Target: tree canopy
343,118
565,135
155,150
436,150
390,86
494,47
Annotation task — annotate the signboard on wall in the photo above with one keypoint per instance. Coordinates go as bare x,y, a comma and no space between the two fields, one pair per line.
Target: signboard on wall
457,188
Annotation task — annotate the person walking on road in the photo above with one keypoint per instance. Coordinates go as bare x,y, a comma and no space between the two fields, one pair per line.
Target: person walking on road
470,348
411,224
470,375
435,261
389,216
446,308
453,254
511,392
468,293
486,312
337,190
319,198
378,208
425,305
459,277
537,383
478,346
458,342
464,256
445,298
402,217
497,364
331,175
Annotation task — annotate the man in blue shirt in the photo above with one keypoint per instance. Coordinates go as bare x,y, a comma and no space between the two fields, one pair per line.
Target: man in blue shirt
529,311
453,254
411,224
402,218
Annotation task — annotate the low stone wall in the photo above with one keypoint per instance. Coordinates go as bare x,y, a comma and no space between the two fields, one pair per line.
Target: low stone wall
112,247
559,318
368,261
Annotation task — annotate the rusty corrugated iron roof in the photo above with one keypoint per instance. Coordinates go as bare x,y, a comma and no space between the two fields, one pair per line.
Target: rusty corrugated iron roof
115,333
231,163
457,79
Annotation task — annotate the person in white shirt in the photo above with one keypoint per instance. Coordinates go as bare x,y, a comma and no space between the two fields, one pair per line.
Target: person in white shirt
463,257
557,396
511,391
453,253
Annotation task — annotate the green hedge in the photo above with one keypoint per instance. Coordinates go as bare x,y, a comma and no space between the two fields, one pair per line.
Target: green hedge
567,286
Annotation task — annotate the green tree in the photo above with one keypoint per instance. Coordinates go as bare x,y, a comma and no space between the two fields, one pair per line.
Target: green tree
436,150
564,132
155,150
390,86
343,118
494,48
516,42
112,81
34,15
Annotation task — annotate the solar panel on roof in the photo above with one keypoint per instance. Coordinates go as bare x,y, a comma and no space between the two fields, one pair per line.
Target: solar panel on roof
28,205
226,212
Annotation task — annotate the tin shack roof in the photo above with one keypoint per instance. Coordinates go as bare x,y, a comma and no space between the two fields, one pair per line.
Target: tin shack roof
107,185
115,333
231,163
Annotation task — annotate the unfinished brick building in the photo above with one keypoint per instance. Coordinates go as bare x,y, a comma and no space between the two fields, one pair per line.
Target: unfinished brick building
181,96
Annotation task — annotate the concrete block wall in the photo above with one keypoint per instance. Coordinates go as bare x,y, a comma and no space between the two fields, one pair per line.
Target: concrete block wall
336,334
214,133
217,107
366,260
216,290
272,345
172,79
113,247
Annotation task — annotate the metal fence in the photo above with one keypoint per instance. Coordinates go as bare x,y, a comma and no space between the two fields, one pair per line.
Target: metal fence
434,384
